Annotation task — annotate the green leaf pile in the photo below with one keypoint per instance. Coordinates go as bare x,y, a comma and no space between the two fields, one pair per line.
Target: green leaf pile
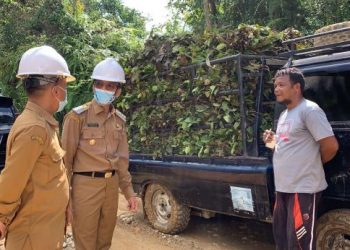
177,110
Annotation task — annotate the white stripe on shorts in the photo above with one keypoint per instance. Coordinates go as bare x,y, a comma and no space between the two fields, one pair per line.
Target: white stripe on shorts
313,222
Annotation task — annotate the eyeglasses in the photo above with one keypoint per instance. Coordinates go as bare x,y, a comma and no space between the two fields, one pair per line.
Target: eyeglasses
110,86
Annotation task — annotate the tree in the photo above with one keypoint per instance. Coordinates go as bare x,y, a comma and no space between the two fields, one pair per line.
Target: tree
209,8
283,14
325,12
83,31
305,15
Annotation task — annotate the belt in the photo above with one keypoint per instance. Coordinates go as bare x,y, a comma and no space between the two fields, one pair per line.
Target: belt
93,174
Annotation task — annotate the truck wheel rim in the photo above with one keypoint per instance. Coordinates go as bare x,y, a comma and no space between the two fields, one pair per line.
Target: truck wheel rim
161,204
338,241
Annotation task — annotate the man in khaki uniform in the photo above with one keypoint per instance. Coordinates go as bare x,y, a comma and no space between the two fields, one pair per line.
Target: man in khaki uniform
97,159
33,185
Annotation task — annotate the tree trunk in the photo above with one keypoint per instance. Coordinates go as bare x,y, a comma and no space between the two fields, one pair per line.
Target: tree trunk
207,15
212,6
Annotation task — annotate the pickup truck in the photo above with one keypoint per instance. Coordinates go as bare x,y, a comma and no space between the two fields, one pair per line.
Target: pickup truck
7,118
174,187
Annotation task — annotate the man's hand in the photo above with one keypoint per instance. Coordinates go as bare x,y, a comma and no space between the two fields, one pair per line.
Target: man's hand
2,230
268,136
132,204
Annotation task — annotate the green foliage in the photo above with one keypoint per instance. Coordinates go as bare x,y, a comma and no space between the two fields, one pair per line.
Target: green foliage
176,111
84,32
320,13
305,15
115,11
171,110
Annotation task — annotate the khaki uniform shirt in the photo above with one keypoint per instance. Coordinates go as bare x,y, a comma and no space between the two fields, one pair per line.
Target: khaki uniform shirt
97,141
33,185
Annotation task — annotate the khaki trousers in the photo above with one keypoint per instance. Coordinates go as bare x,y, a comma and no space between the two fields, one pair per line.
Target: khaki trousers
95,206
23,244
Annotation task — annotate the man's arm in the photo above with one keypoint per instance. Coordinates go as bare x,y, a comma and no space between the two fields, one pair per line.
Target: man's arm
23,152
70,141
123,165
328,148
322,132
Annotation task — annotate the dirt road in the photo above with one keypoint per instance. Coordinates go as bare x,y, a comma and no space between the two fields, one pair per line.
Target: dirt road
220,233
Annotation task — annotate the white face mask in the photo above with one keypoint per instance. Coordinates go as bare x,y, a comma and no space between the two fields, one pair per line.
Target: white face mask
104,97
63,103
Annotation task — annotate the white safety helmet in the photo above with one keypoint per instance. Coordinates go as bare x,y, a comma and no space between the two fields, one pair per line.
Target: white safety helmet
109,70
43,60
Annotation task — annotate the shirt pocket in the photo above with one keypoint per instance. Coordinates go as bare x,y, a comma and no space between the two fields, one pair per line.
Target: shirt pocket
50,165
93,140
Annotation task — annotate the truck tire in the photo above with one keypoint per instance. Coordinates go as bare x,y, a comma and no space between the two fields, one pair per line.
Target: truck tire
333,230
163,211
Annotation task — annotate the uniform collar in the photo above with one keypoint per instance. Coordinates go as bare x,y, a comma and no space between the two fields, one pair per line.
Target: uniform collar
99,109
42,112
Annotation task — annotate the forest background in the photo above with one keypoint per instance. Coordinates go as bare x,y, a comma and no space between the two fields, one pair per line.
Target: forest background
87,31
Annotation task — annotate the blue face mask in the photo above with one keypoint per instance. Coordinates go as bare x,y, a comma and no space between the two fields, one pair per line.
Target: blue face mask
63,103
104,97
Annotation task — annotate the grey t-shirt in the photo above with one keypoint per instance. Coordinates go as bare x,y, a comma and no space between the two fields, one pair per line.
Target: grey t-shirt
297,160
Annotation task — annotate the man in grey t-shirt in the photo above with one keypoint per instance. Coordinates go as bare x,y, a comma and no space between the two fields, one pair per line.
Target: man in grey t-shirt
304,140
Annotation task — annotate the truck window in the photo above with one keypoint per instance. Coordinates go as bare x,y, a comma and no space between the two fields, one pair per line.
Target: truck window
331,91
